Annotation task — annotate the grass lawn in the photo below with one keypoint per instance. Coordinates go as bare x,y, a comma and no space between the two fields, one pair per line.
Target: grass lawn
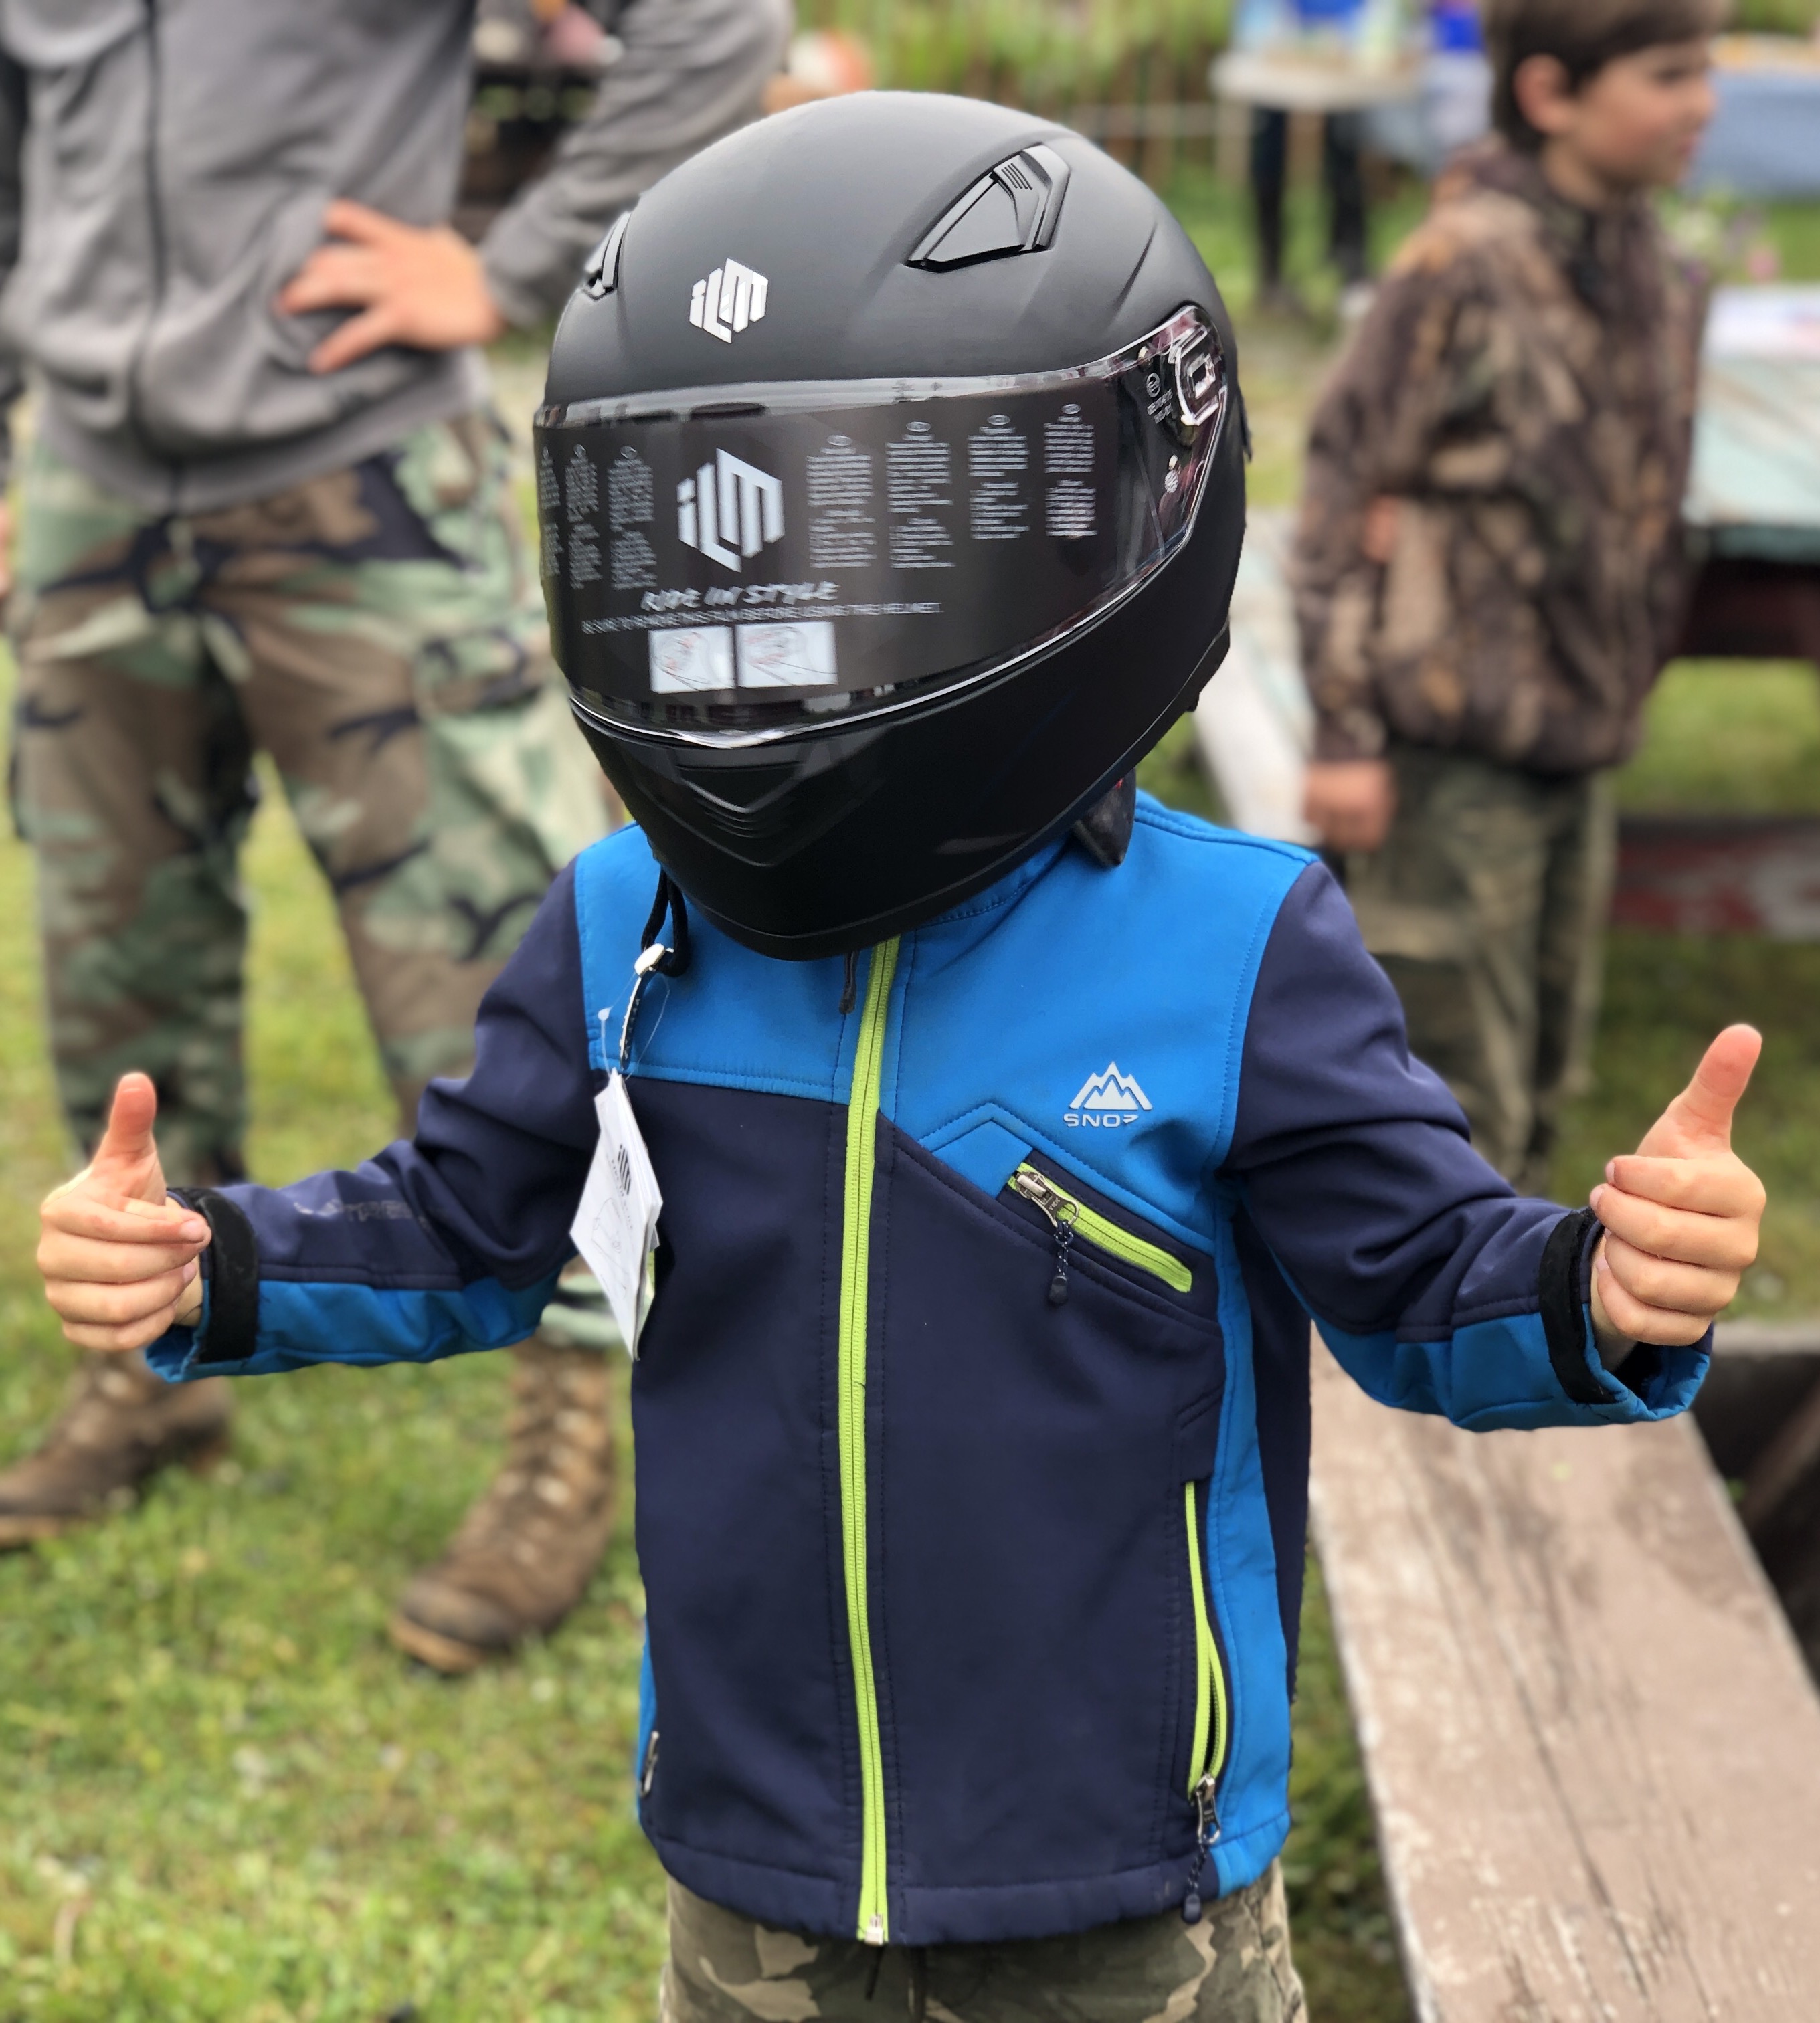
224,1796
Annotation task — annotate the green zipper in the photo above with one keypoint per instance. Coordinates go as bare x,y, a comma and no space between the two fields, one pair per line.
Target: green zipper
1065,1212
1207,1757
874,1925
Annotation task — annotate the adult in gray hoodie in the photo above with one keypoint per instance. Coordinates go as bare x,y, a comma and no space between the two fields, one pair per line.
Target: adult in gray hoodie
265,507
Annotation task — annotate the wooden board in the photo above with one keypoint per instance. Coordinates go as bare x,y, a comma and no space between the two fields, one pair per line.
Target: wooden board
1761,1372
1593,1748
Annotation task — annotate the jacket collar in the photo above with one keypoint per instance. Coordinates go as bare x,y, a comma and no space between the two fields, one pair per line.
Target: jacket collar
1594,248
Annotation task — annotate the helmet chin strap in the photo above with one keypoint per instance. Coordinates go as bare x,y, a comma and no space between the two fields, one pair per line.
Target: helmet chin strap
1104,830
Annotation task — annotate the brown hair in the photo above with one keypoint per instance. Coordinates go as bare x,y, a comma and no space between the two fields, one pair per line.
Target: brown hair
1583,36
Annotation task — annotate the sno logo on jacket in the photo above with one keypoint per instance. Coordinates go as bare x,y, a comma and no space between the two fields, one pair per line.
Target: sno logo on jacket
730,298
729,509
1106,1100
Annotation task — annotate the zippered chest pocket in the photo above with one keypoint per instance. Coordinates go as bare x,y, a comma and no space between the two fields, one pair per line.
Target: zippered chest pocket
1072,1220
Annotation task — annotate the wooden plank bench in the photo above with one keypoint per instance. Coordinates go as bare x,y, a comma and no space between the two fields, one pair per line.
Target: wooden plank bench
1592,1745
1760,1411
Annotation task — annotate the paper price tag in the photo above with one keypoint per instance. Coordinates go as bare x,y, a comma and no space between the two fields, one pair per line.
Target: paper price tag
615,1226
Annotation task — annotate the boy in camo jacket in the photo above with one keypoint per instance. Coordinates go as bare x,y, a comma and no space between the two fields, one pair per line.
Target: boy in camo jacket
1489,572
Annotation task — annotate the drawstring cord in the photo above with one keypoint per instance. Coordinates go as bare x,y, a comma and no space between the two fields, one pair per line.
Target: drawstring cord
917,1987
673,961
654,958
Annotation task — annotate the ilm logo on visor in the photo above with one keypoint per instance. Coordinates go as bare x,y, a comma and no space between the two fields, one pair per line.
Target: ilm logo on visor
731,297
1106,1100
729,509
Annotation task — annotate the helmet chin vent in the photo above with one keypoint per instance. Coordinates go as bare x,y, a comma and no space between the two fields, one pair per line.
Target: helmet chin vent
743,788
1011,210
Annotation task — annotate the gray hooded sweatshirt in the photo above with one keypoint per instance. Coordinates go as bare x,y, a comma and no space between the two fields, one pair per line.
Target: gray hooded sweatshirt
164,166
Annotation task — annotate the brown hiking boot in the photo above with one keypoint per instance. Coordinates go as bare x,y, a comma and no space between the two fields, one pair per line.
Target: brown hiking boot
527,1549
122,1425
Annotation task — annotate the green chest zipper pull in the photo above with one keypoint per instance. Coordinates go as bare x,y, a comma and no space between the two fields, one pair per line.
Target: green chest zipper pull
1062,1213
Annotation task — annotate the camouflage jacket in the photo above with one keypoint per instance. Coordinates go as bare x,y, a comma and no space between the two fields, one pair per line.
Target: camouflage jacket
1523,386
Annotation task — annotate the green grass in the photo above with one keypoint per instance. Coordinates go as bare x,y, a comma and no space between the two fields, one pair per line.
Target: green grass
209,1745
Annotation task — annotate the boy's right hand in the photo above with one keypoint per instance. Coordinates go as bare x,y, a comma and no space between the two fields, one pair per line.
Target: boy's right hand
119,1257
1350,802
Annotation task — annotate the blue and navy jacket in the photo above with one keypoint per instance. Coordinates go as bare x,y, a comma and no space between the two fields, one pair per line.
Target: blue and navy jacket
972,1416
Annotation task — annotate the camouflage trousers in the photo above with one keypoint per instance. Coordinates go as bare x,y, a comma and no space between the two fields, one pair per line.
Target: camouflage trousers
1233,1966
376,632
1486,907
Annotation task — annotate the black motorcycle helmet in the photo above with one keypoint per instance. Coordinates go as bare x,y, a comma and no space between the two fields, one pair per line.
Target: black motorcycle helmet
892,492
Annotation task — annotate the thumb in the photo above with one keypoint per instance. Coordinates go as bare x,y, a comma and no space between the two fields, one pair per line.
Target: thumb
127,1156
1699,1119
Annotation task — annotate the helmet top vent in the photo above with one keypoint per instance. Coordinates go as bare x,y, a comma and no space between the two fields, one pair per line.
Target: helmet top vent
1012,209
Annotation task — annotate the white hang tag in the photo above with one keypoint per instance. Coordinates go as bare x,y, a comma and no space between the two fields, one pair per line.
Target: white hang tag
615,1226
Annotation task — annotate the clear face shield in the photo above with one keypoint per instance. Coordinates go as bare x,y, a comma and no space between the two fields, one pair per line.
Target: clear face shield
754,562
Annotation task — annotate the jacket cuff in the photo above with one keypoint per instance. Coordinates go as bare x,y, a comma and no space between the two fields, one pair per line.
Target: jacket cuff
229,1330
1651,1381
173,1356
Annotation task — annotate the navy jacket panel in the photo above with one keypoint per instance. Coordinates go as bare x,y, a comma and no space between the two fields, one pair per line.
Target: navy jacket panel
753,1788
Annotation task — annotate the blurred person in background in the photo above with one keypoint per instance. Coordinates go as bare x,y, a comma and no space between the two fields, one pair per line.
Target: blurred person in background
1489,569
1319,29
267,508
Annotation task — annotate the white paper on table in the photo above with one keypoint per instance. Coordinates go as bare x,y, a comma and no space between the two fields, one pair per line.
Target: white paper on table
615,1226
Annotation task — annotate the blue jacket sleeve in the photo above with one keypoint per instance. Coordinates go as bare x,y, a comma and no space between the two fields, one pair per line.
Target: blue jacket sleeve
1437,1287
448,1241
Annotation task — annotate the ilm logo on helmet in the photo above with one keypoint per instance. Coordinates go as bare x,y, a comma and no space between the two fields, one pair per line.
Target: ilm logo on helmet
1107,1101
731,297
729,509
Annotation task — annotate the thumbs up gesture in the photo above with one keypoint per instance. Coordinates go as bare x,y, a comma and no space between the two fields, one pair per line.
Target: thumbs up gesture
1681,1212
119,1258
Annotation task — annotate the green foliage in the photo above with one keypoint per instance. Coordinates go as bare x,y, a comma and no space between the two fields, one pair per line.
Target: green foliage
1037,49
1775,17
1041,52
1037,53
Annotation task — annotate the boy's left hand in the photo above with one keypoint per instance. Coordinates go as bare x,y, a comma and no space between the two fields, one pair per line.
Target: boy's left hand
1681,1212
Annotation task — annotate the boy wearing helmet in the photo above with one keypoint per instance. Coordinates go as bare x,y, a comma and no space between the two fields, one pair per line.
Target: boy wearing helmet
966,1141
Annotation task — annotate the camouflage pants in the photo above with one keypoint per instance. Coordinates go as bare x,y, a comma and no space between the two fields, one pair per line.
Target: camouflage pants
374,631
1232,1967
1487,908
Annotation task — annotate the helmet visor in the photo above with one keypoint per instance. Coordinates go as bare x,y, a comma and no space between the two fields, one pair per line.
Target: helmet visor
768,557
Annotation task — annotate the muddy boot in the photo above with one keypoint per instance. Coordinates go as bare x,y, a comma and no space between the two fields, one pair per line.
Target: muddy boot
526,1550
122,1425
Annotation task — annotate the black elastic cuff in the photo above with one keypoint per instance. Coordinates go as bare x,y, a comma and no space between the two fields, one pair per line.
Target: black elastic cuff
1561,1292
231,1265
